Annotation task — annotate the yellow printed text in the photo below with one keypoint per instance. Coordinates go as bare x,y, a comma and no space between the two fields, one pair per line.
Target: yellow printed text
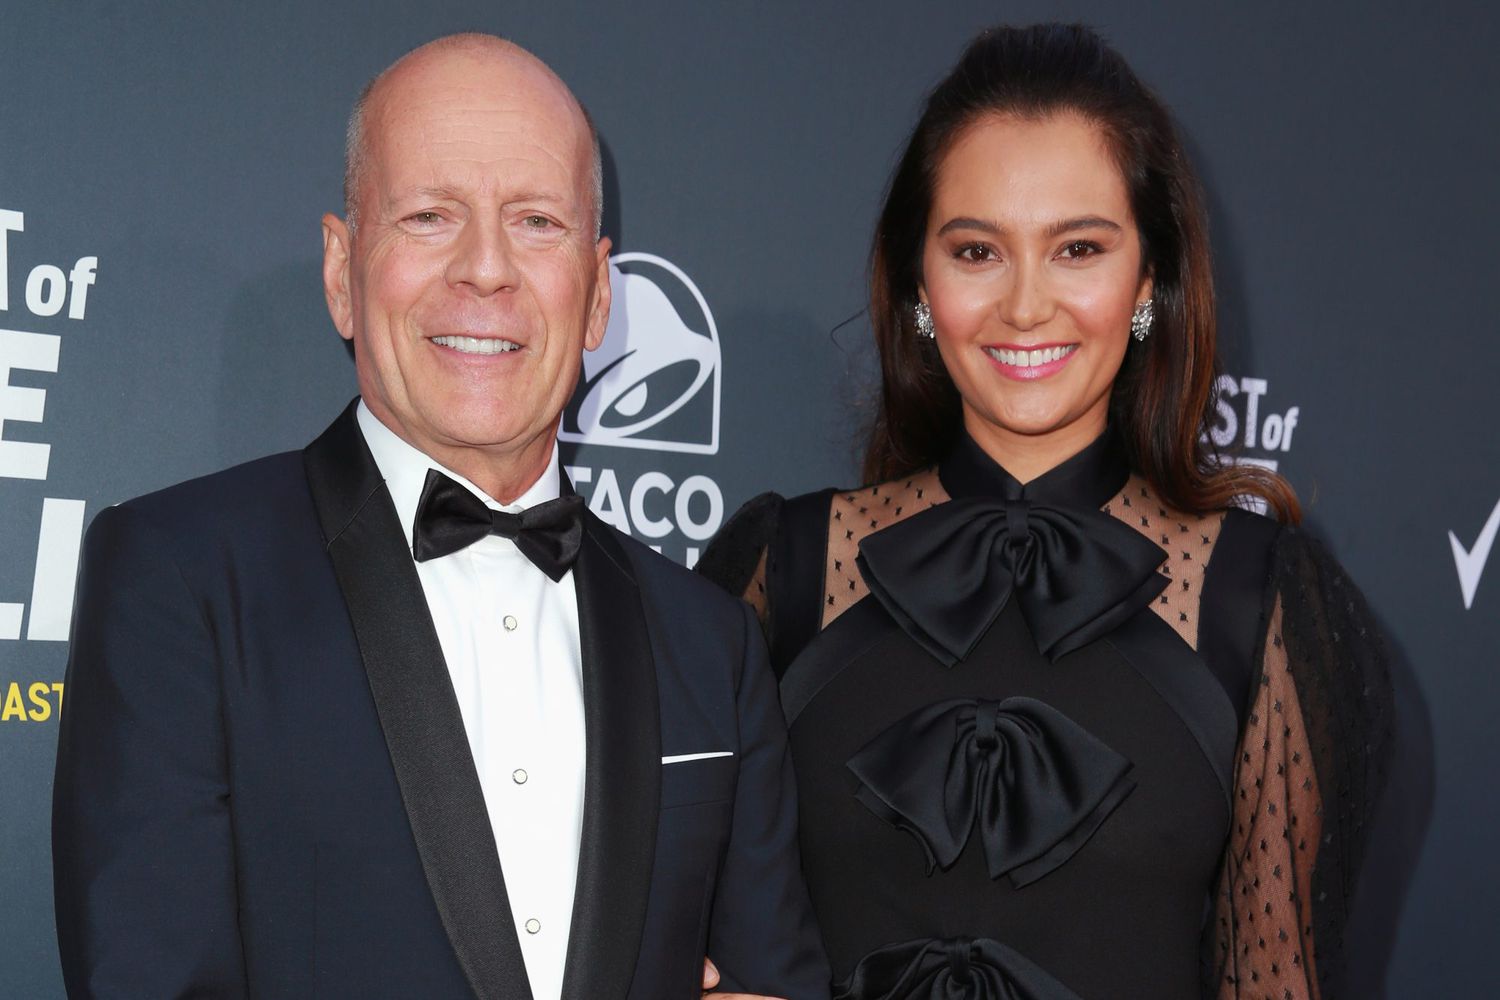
36,702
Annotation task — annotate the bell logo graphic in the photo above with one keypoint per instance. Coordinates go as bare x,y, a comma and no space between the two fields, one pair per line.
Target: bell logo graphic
654,382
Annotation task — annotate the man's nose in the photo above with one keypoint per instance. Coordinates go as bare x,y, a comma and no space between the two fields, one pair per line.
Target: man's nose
483,258
1028,302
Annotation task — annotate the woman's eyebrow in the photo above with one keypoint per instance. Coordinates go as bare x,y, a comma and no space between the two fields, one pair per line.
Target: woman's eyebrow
1082,222
1054,230
968,222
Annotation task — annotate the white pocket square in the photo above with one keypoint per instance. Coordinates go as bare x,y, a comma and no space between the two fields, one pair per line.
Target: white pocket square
680,758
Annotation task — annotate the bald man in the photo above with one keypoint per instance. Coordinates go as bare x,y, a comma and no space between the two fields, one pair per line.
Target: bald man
397,716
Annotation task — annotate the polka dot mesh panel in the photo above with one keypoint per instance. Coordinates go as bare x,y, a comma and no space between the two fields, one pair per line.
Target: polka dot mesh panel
858,513
755,592
1263,906
1188,542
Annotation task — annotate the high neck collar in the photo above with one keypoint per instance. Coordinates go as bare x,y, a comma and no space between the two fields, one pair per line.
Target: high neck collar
1088,479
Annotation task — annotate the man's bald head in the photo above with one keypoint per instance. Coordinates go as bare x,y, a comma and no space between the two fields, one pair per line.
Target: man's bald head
476,45
476,280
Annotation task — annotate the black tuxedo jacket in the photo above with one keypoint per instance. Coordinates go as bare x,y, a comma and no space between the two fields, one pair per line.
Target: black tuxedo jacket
264,787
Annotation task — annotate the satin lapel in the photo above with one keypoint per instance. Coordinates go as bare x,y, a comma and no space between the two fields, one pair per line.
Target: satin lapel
622,780
418,711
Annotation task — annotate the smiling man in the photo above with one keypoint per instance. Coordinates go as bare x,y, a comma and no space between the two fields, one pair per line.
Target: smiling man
396,716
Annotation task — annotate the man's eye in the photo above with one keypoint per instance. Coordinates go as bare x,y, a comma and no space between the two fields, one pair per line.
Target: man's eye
425,218
538,222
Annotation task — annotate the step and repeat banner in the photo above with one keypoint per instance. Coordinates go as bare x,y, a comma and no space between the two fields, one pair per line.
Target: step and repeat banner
163,168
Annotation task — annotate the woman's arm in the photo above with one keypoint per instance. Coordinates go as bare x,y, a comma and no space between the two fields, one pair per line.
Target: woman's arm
1310,766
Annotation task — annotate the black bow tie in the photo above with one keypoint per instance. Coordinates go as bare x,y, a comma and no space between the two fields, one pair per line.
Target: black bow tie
945,574
450,518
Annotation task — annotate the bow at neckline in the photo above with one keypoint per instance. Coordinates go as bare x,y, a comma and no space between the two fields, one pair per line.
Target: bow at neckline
945,574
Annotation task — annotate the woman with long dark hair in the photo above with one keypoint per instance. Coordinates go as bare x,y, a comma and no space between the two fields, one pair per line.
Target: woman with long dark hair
1067,720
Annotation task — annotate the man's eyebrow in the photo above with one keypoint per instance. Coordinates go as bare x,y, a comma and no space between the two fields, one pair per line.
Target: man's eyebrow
441,194
450,194
553,200
538,196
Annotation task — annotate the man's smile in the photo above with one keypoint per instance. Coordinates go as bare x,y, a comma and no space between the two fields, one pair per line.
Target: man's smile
477,345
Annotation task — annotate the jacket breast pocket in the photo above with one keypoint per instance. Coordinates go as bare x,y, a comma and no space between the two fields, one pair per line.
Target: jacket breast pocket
693,827
690,782
697,808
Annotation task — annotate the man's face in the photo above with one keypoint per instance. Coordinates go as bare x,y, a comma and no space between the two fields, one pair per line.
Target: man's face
474,281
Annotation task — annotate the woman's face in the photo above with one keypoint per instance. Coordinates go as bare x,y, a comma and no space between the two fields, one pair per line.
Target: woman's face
1032,268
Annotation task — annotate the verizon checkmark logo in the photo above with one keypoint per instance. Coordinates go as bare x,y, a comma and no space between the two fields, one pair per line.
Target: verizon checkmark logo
1470,562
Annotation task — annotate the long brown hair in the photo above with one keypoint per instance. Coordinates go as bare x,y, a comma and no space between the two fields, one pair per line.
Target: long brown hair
1163,397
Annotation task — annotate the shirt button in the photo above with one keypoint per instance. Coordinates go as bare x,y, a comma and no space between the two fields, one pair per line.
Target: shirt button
533,926
510,623
519,776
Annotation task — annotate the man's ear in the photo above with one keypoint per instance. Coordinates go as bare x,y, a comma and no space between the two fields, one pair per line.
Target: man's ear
598,320
337,248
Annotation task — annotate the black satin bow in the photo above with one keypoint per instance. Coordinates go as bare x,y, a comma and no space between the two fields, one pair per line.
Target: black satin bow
946,574
952,969
1035,783
450,518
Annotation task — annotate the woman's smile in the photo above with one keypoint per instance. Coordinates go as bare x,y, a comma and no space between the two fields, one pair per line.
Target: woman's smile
1027,364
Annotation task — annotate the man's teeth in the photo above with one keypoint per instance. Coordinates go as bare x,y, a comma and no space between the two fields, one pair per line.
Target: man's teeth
1028,359
477,345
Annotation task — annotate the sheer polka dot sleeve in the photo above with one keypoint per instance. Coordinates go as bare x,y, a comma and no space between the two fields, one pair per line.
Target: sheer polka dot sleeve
1263,923
1310,766
736,558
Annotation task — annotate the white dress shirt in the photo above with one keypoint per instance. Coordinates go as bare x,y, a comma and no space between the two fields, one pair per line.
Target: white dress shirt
510,637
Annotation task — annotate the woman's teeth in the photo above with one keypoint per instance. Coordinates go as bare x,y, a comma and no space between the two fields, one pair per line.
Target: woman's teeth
477,345
1030,359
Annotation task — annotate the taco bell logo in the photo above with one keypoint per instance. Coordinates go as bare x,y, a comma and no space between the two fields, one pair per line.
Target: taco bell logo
652,385
654,382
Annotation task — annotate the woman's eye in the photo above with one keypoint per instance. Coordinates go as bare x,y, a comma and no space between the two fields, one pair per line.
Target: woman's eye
1080,248
974,253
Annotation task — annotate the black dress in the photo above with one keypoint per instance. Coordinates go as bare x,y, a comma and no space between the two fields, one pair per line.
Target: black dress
1058,741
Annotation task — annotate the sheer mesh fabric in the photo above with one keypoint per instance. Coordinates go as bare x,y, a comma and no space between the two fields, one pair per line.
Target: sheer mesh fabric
852,515
1188,541
1328,663
737,556
1263,926
755,590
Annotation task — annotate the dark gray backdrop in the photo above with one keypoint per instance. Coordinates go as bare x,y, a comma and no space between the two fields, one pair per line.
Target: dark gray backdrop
1349,154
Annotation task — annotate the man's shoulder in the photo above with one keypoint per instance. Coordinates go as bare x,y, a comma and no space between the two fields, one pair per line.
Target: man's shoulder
661,577
238,498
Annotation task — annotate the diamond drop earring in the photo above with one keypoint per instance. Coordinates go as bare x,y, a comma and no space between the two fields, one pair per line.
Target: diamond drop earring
1141,319
924,321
